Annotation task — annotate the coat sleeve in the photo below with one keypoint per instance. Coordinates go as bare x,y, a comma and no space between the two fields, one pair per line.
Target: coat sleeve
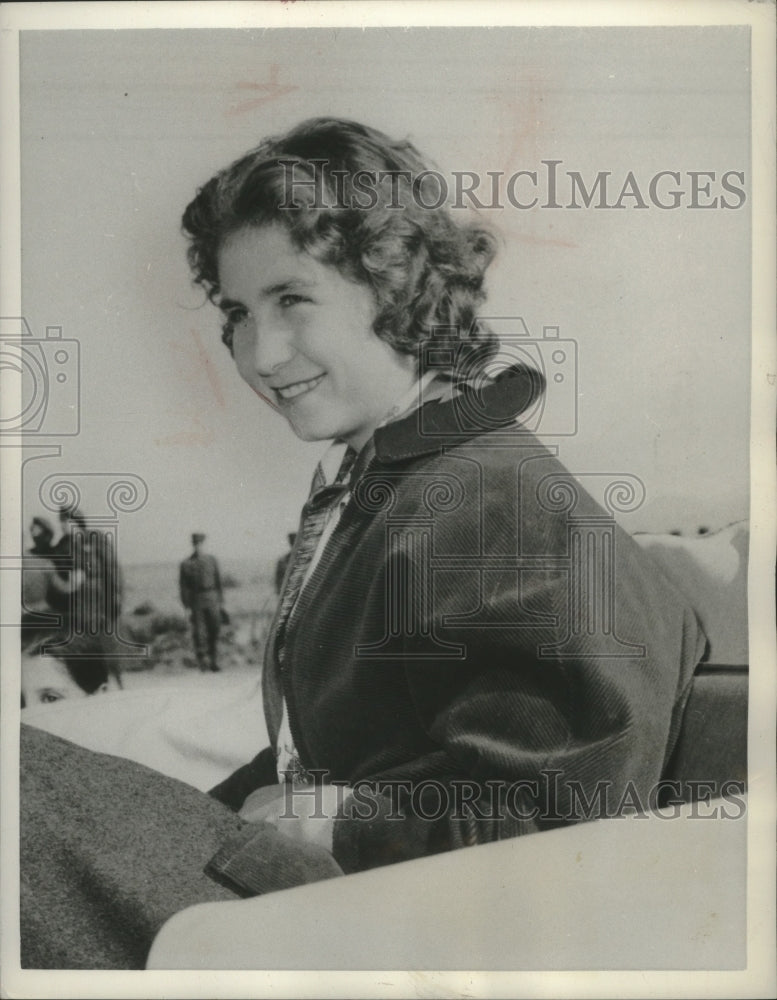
522,748
545,720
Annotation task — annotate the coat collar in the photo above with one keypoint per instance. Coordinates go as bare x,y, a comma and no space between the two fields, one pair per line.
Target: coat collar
469,413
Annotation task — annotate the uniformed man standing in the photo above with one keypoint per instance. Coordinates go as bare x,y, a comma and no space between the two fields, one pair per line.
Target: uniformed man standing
201,593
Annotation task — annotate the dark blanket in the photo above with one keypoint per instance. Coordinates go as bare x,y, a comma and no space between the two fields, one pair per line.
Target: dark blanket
110,850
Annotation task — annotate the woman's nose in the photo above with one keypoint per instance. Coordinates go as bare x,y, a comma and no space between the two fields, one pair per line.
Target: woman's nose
272,348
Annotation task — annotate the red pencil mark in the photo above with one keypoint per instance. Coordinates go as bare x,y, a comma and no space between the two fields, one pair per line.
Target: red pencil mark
201,437
266,399
273,89
203,359
197,363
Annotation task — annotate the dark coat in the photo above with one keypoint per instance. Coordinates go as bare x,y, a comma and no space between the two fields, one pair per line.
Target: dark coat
473,620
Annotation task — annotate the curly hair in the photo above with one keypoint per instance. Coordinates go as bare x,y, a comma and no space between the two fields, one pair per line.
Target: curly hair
425,270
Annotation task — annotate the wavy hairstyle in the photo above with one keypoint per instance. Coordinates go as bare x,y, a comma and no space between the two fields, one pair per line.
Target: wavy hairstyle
355,199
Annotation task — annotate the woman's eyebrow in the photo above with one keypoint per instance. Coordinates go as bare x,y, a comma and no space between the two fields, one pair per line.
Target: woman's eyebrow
227,304
287,285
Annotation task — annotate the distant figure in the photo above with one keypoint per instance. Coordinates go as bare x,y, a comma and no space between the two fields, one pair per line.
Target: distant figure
46,678
283,562
42,533
86,587
71,522
38,568
201,593
67,584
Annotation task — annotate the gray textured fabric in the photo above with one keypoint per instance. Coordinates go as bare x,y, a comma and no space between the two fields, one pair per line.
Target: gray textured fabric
111,849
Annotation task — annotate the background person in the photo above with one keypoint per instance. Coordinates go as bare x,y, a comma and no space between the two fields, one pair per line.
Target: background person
67,585
86,585
42,534
37,570
201,593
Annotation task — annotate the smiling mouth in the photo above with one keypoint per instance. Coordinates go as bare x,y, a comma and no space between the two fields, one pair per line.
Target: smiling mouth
297,388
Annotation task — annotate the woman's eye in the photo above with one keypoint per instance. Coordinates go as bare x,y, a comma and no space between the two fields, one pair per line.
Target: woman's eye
48,697
291,300
236,316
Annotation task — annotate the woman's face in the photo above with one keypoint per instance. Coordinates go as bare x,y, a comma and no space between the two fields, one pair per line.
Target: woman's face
303,338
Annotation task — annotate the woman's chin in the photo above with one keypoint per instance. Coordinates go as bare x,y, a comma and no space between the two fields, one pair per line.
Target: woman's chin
309,430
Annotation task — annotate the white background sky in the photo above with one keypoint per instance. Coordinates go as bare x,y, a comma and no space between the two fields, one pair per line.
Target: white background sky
119,128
